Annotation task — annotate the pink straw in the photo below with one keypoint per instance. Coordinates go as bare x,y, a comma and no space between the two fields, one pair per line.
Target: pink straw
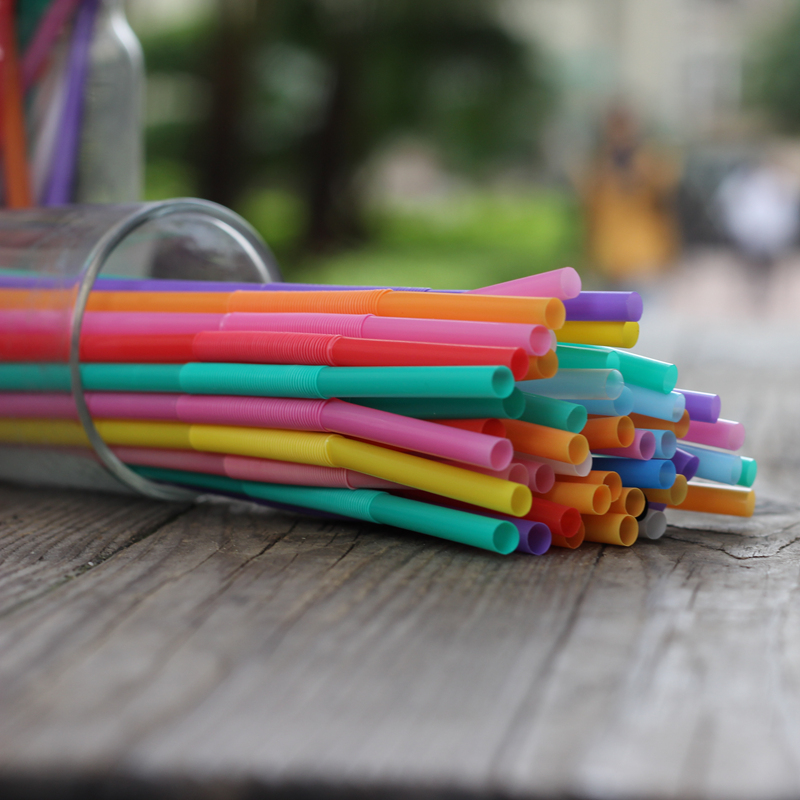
335,416
562,283
724,433
263,470
642,449
47,32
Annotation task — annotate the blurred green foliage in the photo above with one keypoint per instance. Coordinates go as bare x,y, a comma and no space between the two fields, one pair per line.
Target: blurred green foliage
772,80
274,107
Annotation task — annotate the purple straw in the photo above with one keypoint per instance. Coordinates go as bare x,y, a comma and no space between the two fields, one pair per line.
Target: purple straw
598,306
702,407
685,463
65,157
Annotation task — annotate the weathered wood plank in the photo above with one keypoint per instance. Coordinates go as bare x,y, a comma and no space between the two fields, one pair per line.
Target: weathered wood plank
49,537
261,645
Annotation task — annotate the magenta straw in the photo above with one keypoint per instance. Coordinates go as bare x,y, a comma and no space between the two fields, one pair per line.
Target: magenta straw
686,464
562,283
599,306
724,433
264,470
642,449
65,157
120,323
47,32
335,416
701,406
540,477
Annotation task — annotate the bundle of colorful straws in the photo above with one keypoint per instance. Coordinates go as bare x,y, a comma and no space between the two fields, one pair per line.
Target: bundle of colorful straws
512,417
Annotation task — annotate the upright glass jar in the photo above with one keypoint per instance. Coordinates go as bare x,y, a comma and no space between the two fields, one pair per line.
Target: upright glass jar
111,149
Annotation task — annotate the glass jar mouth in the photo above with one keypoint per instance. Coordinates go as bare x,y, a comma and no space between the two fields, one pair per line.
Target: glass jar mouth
251,244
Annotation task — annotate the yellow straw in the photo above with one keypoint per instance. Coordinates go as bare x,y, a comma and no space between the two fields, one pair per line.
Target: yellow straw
610,334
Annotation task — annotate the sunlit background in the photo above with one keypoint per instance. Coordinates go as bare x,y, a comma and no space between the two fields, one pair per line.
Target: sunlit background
455,143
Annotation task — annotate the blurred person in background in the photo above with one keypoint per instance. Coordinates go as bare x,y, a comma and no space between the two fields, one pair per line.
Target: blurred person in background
629,200
759,206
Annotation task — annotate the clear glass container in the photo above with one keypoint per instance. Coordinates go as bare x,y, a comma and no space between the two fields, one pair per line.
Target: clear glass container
51,257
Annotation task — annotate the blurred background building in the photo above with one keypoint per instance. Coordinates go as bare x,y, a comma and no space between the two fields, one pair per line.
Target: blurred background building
459,142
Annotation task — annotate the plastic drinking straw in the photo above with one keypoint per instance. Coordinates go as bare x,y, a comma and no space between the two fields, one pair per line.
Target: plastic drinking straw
541,367
620,529
551,443
114,323
587,384
642,448
749,470
321,449
251,469
724,433
621,407
648,373
719,500
289,348
541,477
267,380
535,340
65,157
572,542
333,416
653,423
609,432
562,520
598,306
702,406
675,495
715,465
547,311
686,464
587,498
498,536
609,334
16,178
655,507
653,525
666,443
559,467
47,32
563,283
669,407
607,478
514,472
573,356
631,501
658,474
553,413
489,426
444,408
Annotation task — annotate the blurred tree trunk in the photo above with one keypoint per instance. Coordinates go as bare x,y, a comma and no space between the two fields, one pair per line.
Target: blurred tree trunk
333,209
222,169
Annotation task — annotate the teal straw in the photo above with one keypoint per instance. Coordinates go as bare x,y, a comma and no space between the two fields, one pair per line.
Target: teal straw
510,407
554,413
497,536
575,356
268,380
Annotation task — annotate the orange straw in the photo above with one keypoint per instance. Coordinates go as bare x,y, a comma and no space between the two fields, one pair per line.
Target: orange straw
622,529
588,498
571,542
719,500
545,366
679,428
15,158
538,440
603,432
631,501
673,496
610,479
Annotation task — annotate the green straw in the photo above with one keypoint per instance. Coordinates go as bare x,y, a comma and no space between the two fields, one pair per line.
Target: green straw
554,413
575,356
749,470
498,536
268,380
510,407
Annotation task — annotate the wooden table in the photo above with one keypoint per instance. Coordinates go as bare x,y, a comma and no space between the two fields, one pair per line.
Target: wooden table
156,650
